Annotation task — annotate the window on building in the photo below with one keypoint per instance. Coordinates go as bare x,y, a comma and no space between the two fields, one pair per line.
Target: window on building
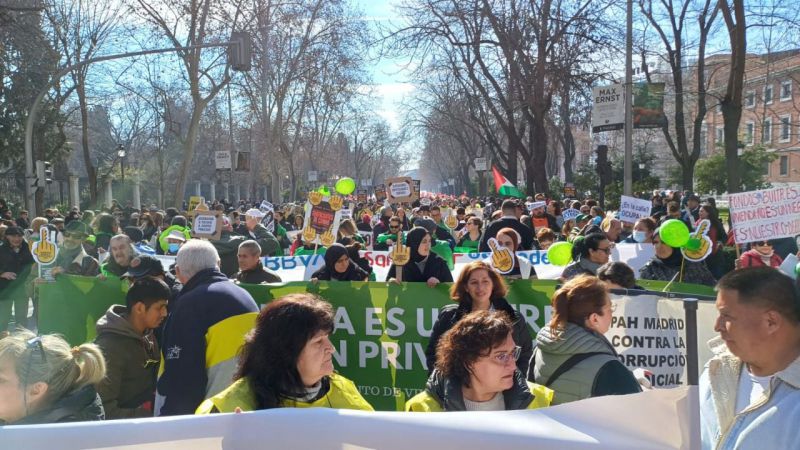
786,128
784,171
750,99
720,135
768,94
786,90
749,133
766,131
766,168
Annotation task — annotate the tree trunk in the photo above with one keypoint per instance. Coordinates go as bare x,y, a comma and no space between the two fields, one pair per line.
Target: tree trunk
188,151
732,102
91,171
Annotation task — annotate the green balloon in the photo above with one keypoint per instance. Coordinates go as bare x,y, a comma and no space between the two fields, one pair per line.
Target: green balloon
324,190
345,186
674,233
560,253
693,244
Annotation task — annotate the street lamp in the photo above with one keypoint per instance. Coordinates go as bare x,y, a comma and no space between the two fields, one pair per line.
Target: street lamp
121,154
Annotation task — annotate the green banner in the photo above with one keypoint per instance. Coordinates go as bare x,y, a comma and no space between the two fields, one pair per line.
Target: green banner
381,330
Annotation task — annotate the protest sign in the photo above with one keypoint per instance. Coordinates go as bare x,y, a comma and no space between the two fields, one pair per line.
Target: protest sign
766,214
535,205
417,186
400,189
380,193
608,108
194,202
632,209
347,213
569,214
45,252
322,220
569,190
380,330
425,201
207,225
361,195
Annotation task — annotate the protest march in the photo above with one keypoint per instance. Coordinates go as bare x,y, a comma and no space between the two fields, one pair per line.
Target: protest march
395,303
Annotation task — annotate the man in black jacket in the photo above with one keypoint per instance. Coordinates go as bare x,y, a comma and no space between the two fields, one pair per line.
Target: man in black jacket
15,266
509,219
251,269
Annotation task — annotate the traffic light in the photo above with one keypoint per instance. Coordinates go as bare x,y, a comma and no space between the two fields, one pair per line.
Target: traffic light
240,51
44,173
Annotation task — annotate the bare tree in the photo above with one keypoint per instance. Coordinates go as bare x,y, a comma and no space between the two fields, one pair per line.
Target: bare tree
731,103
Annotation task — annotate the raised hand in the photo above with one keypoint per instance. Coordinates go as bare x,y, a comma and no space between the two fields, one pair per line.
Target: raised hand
502,258
309,234
336,202
44,250
401,255
314,198
327,238
451,221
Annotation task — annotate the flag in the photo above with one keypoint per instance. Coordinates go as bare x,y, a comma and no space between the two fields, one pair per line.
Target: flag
503,186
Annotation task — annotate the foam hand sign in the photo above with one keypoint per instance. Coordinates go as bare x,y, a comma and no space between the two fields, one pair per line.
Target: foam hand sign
700,245
45,250
327,238
336,202
314,198
451,221
502,258
309,234
401,255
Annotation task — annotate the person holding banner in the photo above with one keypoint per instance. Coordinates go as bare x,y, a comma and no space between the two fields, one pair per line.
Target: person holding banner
475,370
424,266
287,362
668,264
339,267
572,355
588,254
479,288
44,380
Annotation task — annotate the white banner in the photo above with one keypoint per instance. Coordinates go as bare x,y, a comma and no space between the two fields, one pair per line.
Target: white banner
764,215
659,419
632,209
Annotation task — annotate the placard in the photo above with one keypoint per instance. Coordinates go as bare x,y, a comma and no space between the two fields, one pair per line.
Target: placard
569,190
417,185
570,214
380,193
361,195
207,225
481,164
766,214
222,160
632,209
400,189
322,219
194,201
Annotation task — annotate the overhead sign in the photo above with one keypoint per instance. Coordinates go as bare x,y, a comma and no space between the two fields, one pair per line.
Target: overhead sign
766,214
222,160
608,108
632,209
648,105
481,164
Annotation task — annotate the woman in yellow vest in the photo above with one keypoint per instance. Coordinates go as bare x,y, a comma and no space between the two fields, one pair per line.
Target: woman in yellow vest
287,362
476,370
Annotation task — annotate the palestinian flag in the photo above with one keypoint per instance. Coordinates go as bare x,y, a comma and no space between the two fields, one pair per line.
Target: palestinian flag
503,186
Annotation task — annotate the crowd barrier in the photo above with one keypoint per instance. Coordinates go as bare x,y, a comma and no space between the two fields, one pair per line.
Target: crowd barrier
382,330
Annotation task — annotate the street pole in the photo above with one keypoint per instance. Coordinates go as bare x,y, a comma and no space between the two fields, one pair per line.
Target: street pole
30,176
628,163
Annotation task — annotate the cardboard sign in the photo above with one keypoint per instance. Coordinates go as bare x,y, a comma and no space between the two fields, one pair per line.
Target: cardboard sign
569,190
570,214
400,189
535,205
425,201
207,225
766,214
347,214
194,201
417,185
322,220
632,209
380,193
361,195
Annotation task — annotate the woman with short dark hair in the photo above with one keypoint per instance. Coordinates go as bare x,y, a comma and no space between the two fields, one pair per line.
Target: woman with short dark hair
475,370
588,254
287,362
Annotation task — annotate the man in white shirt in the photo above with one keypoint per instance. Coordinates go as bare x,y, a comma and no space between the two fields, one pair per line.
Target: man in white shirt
750,389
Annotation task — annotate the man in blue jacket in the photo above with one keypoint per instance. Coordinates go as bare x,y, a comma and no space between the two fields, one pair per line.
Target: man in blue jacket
203,333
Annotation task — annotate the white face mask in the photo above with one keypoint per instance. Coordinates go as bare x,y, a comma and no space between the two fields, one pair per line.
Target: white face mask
640,236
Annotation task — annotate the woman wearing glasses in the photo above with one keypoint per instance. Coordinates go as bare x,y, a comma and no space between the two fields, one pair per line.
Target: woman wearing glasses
470,236
572,356
44,380
287,362
476,370
479,288
668,264
588,254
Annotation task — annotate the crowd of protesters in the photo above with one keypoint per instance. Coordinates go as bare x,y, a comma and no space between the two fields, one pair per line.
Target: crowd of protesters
168,350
